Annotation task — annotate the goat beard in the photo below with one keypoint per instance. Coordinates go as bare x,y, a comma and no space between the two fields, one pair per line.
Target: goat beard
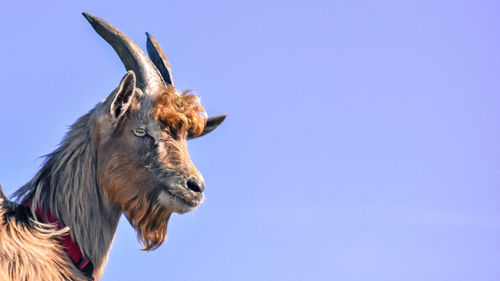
150,223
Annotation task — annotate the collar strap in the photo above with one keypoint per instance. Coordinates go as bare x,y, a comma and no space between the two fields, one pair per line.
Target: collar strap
72,249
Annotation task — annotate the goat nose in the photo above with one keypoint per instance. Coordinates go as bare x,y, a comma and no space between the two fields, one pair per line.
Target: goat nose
195,185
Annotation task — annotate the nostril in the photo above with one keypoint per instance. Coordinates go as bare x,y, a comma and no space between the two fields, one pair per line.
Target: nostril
195,186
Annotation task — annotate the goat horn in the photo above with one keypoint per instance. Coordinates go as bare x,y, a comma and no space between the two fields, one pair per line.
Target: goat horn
148,78
159,59
211,123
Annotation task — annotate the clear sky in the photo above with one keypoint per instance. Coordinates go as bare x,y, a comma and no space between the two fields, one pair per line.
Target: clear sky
362,139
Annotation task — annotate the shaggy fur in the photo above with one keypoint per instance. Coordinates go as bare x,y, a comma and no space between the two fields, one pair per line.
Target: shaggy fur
29,250
182,112
66,186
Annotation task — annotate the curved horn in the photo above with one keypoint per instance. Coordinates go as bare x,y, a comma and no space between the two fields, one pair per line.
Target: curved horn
211,124
159,59
148,78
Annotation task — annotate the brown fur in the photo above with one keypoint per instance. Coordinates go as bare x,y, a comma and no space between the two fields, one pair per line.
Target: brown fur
181,112
134,195
30,251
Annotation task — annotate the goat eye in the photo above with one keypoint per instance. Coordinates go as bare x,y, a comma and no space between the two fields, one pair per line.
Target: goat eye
139,132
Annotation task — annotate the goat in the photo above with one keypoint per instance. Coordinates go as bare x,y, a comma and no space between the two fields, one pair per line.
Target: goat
127,155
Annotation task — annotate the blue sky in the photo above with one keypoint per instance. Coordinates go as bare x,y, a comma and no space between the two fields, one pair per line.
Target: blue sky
361,141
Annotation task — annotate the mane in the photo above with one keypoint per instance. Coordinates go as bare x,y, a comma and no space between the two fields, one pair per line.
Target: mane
66,185
182,112
29,248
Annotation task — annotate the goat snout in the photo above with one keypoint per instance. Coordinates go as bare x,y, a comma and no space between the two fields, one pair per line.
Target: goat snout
195,185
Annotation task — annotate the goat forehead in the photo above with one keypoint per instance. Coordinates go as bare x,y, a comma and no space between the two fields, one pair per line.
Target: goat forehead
166,107
142,115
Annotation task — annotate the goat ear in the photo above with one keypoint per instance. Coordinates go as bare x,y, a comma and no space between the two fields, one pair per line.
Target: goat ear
211,124
123,96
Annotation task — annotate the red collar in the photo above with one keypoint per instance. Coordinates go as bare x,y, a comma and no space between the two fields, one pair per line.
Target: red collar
71,247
